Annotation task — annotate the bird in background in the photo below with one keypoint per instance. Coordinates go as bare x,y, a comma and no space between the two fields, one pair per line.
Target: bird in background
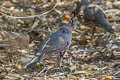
55,43
92,12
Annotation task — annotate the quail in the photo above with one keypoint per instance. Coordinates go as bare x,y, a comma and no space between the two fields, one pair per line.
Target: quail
57,42
92,14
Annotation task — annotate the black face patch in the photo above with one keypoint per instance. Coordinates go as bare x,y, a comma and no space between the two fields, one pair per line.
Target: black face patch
64,30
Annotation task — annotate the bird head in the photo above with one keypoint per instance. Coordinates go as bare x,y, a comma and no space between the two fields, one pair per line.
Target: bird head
82,4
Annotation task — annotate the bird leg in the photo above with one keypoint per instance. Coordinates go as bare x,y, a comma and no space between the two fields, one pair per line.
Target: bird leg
60,57
93,31
59,61
108,36
112,56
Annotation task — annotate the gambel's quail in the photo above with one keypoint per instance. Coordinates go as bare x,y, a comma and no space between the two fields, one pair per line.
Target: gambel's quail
57,42
92,13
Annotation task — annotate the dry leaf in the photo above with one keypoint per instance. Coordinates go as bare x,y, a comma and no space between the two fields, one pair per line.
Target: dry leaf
18,66
107,78
15,75
83,27
74,32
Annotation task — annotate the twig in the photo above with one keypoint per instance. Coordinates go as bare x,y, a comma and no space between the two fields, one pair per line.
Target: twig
35,30
30,16
41,72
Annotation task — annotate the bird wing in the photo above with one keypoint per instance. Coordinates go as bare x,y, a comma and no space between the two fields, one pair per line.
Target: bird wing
99,13
56,43
43,44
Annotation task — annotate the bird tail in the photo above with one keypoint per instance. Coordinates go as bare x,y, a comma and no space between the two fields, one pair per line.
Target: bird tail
39,54
34,61
106,26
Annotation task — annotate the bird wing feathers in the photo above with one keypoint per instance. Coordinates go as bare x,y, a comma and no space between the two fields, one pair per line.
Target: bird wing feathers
57,42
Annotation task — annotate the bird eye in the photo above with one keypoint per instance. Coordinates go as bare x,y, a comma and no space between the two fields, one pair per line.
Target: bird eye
63,31
89,8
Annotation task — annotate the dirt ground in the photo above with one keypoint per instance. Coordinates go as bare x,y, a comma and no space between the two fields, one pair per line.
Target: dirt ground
25,23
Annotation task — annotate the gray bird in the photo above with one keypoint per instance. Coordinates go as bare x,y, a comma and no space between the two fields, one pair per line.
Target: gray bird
92,12
57,42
